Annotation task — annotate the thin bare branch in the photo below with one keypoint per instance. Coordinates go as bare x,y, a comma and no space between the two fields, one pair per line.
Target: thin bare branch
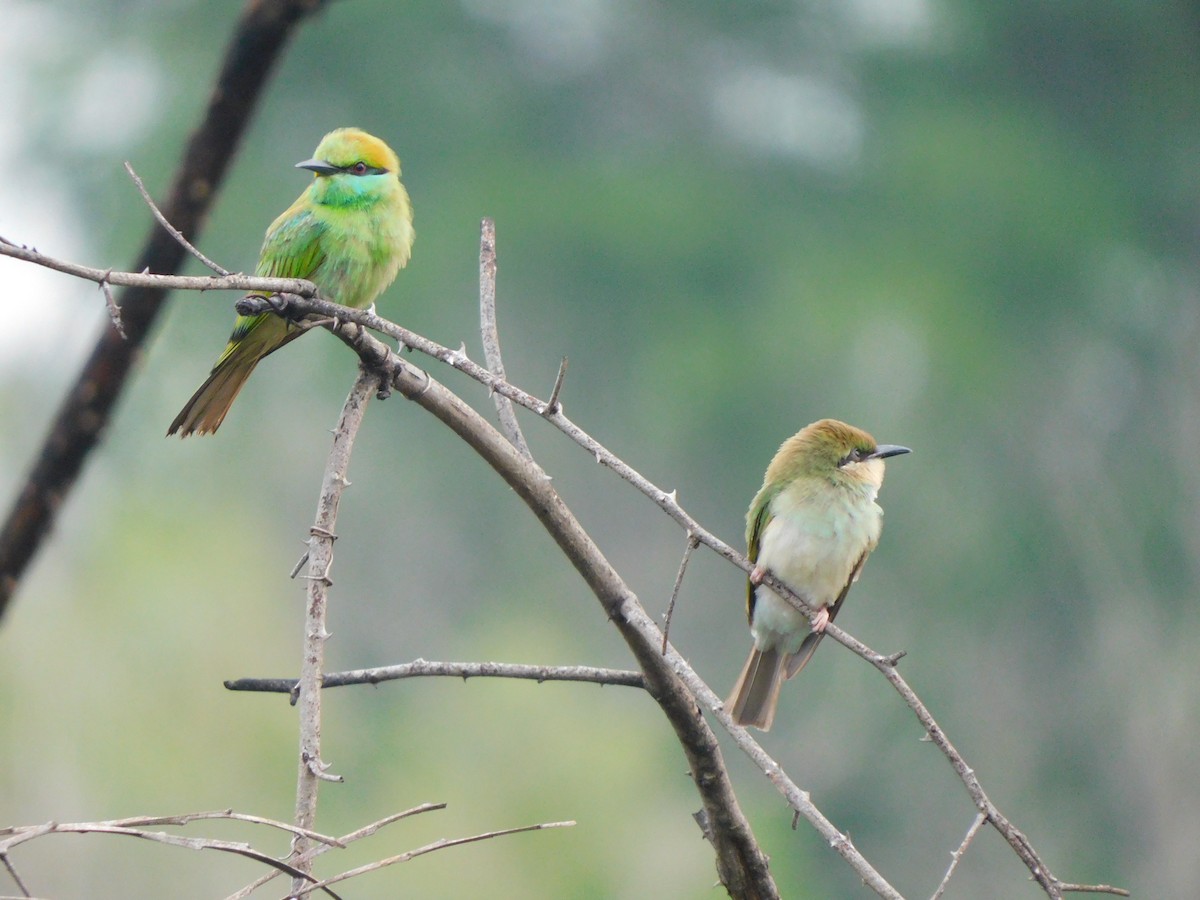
424,669
553,405
1067,888
12,873
21,834
171,229
692,544
428,848
151,281
957,855
114,311
491,334
344,841
312,769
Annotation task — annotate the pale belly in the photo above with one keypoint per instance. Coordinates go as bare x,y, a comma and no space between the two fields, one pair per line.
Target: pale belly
813,551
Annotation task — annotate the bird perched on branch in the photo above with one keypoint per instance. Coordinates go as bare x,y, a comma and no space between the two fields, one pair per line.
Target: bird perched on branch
812,525
349,233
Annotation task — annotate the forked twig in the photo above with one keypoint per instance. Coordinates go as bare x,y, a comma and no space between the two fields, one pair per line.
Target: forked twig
171,229
344,841
957,855
490,332
692,544
20,834
421,851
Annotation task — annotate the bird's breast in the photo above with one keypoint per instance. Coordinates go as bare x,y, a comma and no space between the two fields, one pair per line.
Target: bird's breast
814,541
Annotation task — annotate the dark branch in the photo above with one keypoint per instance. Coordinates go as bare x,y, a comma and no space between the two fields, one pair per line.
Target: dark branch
259,39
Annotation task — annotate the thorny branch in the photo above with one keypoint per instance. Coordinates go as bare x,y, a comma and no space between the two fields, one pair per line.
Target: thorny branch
312,771
530,482
424,669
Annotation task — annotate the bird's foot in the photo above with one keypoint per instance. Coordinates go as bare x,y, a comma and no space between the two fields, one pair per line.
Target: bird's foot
756,575
821,620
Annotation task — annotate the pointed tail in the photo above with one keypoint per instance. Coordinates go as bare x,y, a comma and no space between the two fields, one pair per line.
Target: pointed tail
800,658
756,693
205,412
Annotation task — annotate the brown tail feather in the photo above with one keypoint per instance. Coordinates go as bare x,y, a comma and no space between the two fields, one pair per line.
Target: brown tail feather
205,412
756,693
800,658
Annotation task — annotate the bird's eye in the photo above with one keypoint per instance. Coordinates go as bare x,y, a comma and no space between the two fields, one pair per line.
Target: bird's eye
855,455
359,168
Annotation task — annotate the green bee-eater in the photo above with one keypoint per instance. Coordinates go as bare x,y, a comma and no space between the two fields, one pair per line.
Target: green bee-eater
349,233
812,525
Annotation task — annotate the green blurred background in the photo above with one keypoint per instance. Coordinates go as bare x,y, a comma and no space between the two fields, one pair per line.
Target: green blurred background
968,227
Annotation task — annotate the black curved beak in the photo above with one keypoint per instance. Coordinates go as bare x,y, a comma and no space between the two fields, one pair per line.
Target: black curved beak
883,451
318,165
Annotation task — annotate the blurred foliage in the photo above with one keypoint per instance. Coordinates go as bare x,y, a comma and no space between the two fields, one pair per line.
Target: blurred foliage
968,227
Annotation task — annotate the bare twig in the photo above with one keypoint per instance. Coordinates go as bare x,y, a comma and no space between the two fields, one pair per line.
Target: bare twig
1067,888
692,544
344,841
957,855
421,851
12,873
491,334
553,405
423,669
21,834
171,229
320,558
114,311
156,282
180,819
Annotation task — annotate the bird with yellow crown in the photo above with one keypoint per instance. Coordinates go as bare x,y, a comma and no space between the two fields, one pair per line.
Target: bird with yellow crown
349,233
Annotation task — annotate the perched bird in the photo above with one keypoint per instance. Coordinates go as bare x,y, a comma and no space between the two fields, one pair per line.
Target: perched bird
812,525
349,233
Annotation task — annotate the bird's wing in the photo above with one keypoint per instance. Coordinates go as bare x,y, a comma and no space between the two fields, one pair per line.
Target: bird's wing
292,249
837,604
757,520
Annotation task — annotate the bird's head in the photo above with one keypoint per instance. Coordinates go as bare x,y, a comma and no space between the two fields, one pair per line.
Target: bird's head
350,163
834,450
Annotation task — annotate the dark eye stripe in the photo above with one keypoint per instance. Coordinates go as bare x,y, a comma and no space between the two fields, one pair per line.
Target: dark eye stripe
361,168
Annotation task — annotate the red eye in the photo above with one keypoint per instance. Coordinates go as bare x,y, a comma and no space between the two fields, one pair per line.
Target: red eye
360,168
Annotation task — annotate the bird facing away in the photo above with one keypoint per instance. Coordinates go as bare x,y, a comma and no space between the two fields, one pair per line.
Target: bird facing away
812,525
349,233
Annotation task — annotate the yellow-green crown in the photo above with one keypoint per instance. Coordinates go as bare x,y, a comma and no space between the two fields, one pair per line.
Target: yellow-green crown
346,146
819,446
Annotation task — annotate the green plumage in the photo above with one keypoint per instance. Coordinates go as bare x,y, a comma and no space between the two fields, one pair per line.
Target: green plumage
349,233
